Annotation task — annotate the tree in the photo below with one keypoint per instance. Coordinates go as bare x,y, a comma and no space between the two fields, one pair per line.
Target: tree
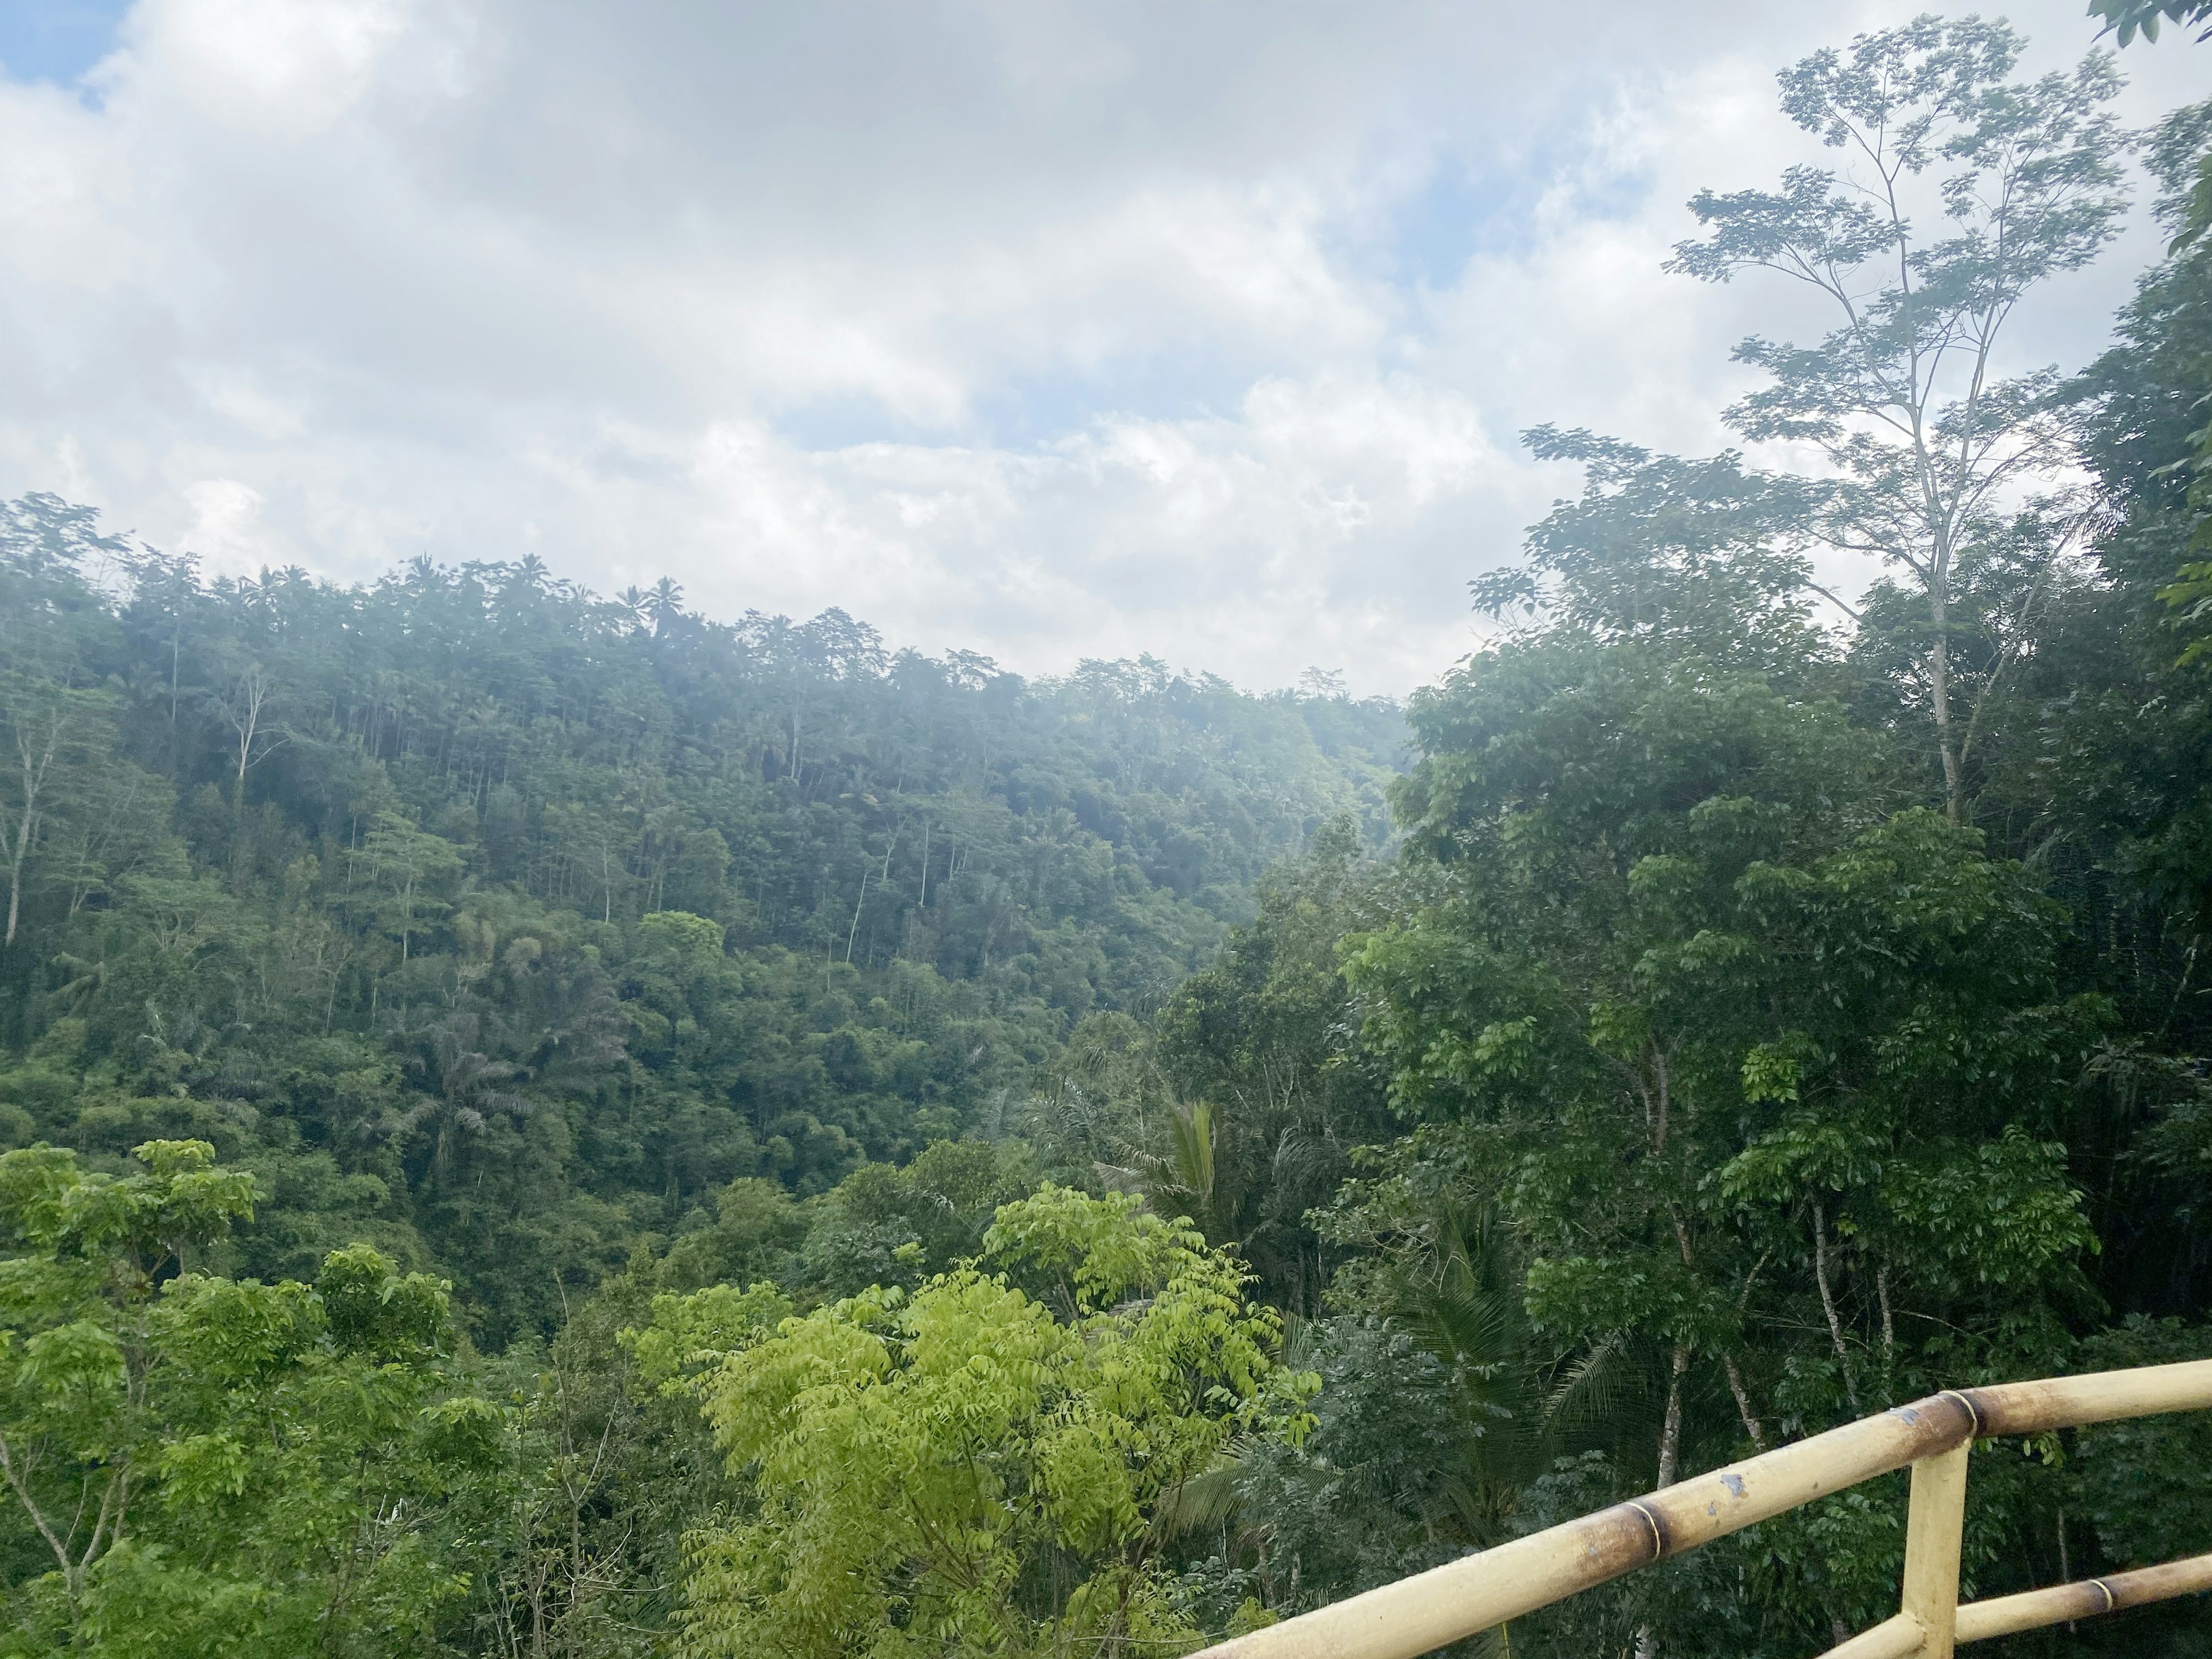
83,1358
2126,19
1766,1077
55,730
404,866
217,1466
981,1465
114,825
1260,1047
1700,555
1934,450
58,724
246,708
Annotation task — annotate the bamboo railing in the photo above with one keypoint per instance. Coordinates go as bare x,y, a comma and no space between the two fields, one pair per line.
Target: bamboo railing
1933,1436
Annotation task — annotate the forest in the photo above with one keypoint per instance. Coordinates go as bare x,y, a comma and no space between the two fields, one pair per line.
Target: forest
540,1123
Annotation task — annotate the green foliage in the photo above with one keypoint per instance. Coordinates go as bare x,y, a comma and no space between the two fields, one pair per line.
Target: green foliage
1700,555
200,1465
848,1088
1595,995
2146,1486
507,927
1260,1049
1377,1489
971,1468
2126,19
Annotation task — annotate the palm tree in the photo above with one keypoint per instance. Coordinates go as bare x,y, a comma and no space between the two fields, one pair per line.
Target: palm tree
469,1083
1457,1294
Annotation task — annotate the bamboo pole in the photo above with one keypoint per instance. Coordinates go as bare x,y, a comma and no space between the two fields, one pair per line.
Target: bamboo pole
1896,1637
2004,1615
1427,1611
1933,1528
2068,1403
1900,1637
1416,1614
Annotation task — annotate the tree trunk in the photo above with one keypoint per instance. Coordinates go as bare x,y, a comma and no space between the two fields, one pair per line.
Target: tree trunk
15,875
1752,1426
1828,1305
1670,1456
1888,1334
1939,679
1670,1431
854,932
34,779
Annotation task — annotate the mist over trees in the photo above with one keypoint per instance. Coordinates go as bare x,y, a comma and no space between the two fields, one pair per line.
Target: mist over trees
539,1123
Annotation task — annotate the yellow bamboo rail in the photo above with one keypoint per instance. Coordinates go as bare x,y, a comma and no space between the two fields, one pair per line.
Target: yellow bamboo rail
1422,1612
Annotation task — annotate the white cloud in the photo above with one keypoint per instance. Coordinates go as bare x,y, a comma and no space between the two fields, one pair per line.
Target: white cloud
1047,330
274,71
65,201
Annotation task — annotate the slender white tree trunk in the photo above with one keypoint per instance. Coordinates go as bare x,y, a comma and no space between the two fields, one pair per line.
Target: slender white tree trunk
1670,1458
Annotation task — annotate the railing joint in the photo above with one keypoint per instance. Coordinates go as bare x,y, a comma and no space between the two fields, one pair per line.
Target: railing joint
1658,1531
1974,1411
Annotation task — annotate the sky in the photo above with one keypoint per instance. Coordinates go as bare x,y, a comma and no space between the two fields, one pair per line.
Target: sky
1203,329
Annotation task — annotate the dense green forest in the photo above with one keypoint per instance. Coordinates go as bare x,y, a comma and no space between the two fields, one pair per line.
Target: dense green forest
502,924
548,1124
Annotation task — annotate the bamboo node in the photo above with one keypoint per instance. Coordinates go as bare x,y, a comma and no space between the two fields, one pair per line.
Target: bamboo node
1658,1531
1973,1412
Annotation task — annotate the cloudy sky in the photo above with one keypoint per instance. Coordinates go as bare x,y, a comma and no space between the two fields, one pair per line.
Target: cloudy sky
1203,328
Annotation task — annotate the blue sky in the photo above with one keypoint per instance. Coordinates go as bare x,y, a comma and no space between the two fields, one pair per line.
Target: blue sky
1048,329
55,41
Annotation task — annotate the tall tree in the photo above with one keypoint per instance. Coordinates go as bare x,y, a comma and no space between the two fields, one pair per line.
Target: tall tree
1965,189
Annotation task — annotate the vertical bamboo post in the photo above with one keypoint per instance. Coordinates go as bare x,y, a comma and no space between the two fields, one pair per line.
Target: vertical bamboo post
1932,1536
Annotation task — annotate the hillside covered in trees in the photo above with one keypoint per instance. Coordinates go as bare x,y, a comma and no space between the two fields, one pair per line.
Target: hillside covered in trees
546,1124
502,924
